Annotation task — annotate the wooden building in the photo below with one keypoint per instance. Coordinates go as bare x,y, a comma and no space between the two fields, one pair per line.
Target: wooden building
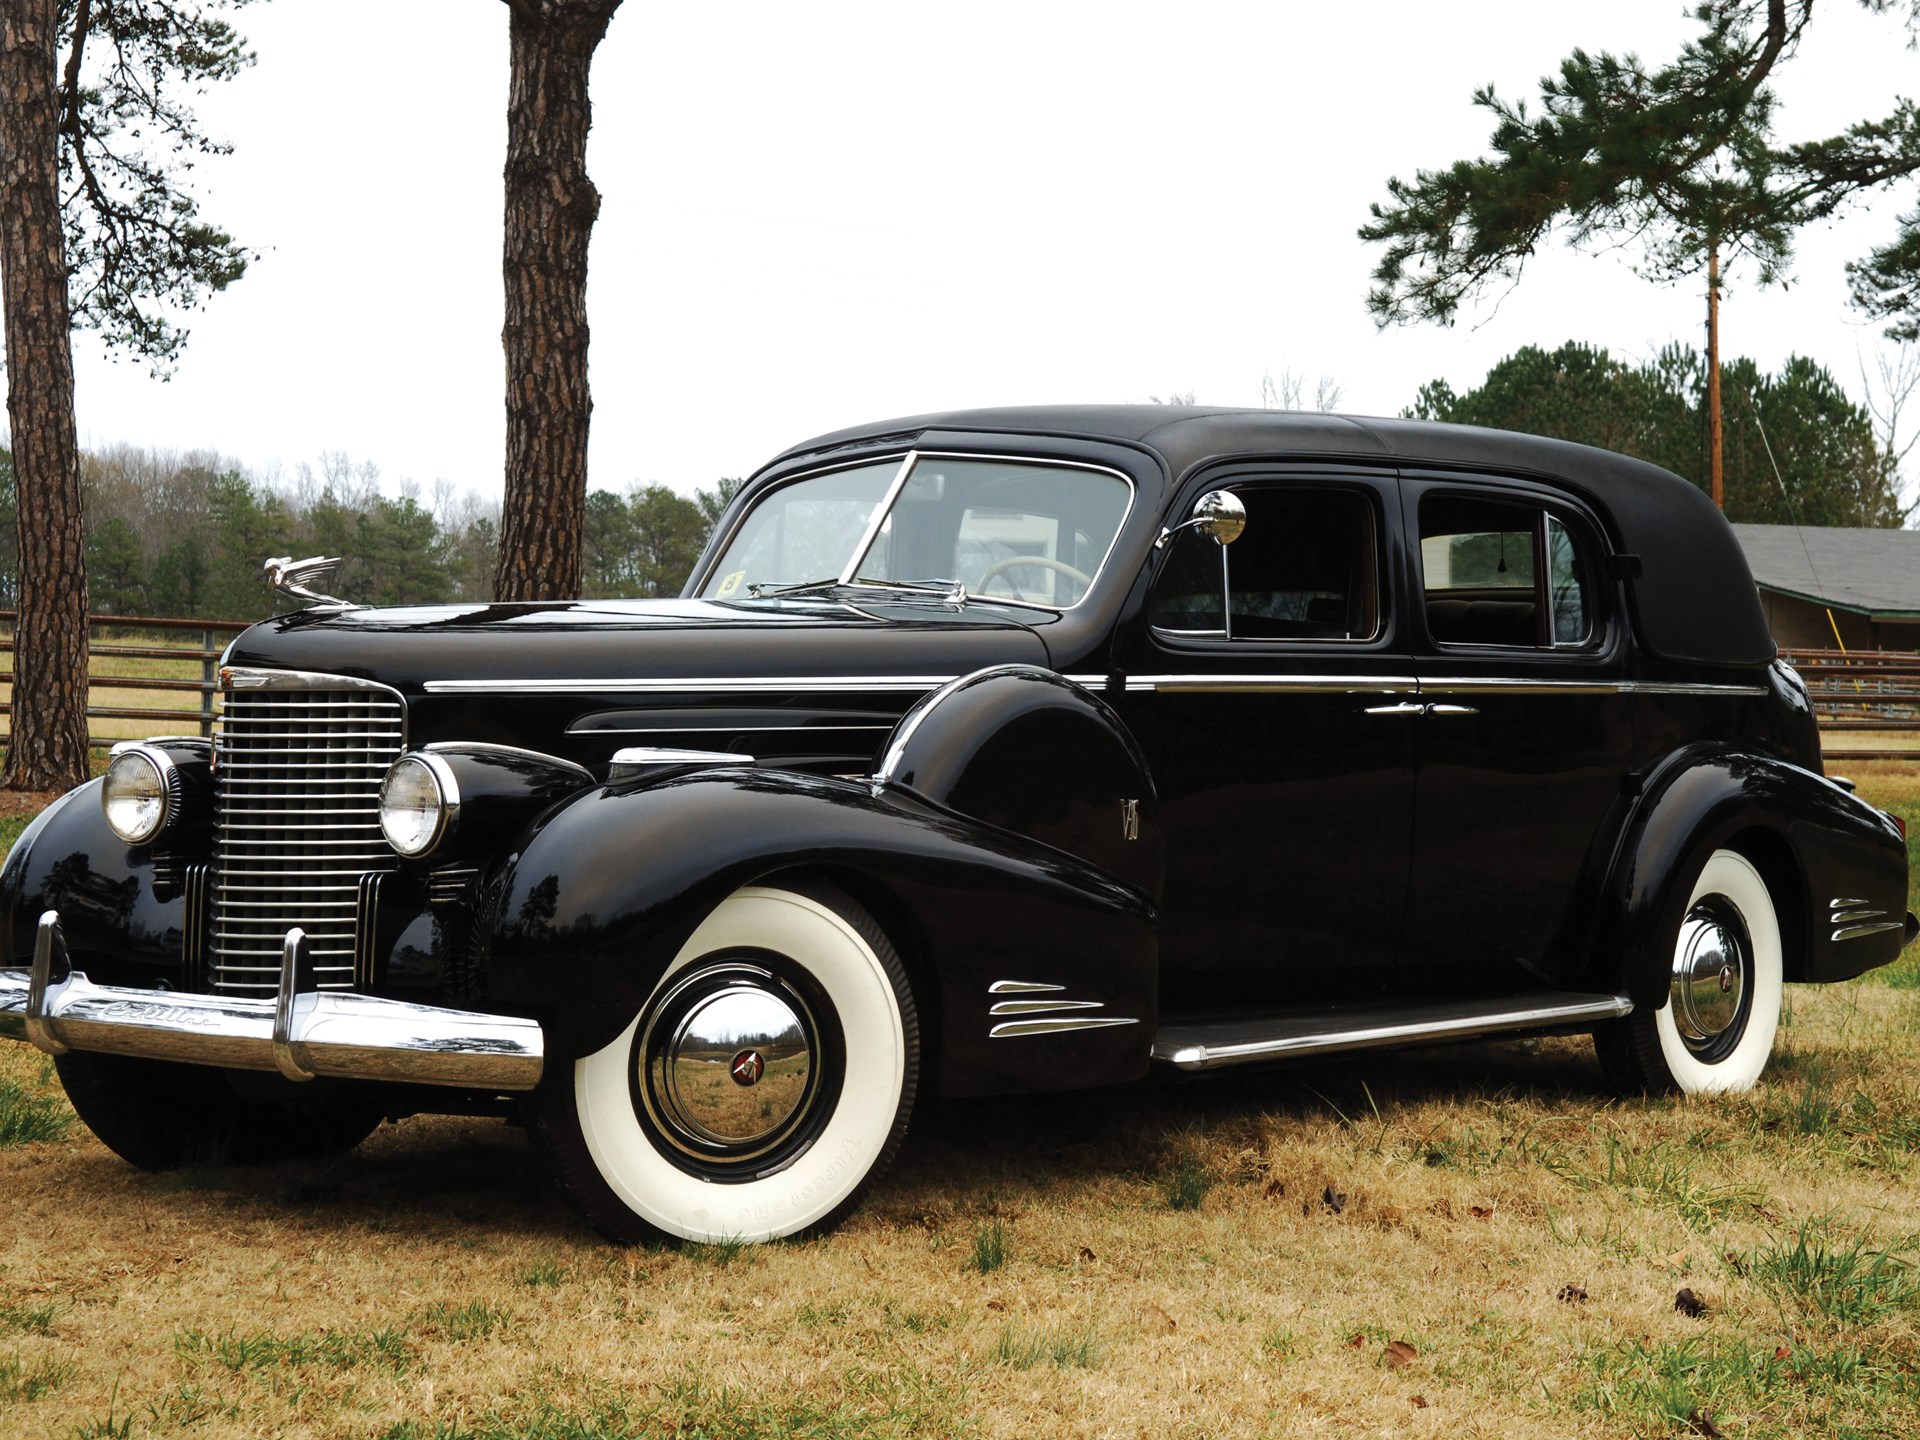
1867,580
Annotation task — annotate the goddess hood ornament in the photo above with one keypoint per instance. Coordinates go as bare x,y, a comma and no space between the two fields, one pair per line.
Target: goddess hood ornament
300,579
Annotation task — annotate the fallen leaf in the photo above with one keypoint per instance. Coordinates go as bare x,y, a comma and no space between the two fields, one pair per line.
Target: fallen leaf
1335,1200
1356,1342
1781,1352
1691,1306
1399,1353
1673,1261
996,1304
1572,1294
1154,1312
1419,1402
1088,1255
1701,1423
1481,1212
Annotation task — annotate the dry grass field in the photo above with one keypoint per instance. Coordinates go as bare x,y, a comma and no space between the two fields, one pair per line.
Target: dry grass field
1465,1241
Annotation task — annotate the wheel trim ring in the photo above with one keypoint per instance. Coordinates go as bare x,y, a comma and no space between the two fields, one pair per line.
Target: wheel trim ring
671,1123
1712,982
697,1102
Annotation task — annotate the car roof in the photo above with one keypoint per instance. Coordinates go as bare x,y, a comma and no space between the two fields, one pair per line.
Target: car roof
1695,599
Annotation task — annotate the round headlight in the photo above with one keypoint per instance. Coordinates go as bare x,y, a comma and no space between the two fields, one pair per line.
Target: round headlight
419,802
141,793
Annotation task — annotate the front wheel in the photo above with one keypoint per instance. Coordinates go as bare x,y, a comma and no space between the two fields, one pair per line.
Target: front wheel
765,1081
158,1115
1722,973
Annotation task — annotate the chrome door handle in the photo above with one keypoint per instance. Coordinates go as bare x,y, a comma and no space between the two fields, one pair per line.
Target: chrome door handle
1452,710
1405,707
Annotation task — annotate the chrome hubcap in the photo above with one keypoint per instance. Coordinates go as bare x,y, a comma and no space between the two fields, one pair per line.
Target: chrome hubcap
1710,969
727,1063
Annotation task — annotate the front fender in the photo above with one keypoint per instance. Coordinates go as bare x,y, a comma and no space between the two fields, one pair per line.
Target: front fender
123,910
1814,842
604,891
1029,751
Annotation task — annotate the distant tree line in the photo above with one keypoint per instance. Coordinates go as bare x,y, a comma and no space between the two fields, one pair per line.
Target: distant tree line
185,534
1834,466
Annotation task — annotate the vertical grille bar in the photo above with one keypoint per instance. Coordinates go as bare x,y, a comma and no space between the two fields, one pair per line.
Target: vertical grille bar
193,950
299,759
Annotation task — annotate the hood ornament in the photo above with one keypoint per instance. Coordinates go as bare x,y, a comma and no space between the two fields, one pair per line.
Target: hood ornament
299,578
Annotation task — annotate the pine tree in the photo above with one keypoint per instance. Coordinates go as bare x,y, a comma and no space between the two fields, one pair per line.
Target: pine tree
1679,159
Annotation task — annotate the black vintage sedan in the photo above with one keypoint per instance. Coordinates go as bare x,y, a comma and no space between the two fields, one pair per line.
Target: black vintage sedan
996,751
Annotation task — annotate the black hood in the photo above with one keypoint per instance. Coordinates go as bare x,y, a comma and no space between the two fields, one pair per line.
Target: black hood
420,649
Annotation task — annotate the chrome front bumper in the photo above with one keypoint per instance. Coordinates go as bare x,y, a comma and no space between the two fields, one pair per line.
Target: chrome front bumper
299,1034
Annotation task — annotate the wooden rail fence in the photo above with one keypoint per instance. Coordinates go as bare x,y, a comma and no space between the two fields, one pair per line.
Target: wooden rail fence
1854,690
116,639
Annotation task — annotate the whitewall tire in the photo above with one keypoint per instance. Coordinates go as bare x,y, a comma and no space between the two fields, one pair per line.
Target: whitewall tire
1721,974
766,1080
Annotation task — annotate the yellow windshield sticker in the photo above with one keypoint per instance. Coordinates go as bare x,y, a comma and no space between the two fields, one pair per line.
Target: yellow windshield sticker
731,583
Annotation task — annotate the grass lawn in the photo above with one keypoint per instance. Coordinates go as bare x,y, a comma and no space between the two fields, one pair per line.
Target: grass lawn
1462,1241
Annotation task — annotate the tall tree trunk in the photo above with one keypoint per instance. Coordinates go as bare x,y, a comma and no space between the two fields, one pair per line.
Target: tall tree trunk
49,722
550,209
1713,372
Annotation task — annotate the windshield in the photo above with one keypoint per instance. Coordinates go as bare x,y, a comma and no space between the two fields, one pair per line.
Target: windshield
1001,529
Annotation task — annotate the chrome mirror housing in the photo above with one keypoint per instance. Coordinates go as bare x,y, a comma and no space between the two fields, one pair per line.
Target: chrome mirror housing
1219,515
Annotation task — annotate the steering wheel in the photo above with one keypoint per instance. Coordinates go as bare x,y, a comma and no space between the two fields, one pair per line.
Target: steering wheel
1059,567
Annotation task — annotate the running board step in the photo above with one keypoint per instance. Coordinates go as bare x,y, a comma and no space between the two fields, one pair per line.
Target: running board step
1208,1043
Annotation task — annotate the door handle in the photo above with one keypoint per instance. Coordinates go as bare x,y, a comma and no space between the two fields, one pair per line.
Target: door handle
1405,707
1452,710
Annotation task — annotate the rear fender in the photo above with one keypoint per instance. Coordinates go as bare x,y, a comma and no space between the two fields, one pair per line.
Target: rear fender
1814,842
605,890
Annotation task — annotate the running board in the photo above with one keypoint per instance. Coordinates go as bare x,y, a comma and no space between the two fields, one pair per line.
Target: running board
1209,1044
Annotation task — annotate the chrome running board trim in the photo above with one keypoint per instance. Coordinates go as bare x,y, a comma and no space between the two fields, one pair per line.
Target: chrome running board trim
329,1032
1213,1044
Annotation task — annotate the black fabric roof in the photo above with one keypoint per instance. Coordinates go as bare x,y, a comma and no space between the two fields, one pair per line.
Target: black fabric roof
1870,572
1696,600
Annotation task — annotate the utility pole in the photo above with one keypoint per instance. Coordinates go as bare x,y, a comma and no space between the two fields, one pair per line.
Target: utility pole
1713,369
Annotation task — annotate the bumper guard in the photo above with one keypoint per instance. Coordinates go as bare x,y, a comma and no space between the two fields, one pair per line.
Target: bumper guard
299,1034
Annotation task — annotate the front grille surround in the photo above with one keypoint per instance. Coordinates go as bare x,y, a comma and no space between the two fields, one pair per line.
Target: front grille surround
298,761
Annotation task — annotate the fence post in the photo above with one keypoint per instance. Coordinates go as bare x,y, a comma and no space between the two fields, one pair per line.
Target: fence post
207,658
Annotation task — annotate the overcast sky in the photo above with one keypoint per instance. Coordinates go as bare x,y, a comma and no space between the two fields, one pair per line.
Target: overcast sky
820,214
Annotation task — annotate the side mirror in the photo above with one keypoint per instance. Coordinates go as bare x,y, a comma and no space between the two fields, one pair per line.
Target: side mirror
1219,516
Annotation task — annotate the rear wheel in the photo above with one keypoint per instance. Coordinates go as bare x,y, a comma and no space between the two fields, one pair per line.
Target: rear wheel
159,1116
1721,968
763,1084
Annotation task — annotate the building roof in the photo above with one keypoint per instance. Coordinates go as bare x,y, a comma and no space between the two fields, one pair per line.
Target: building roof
1869,572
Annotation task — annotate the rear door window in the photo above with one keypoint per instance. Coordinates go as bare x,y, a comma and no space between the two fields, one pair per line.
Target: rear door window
1503,573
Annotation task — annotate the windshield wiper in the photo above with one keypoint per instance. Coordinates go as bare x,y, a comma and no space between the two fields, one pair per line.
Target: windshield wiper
951,591
805,587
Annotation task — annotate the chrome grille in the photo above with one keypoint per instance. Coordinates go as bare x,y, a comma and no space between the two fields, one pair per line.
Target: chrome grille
299,760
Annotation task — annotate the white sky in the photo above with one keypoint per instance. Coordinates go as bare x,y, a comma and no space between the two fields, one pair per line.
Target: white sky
816,215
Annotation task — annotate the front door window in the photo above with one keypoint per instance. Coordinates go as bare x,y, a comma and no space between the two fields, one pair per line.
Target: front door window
1304,569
